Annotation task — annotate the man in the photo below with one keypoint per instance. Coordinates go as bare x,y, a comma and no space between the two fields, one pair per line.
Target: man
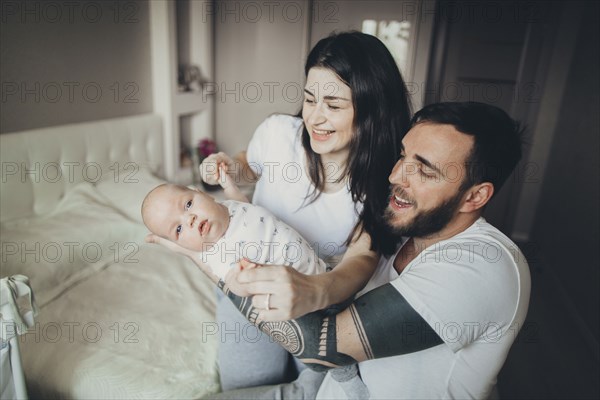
438,317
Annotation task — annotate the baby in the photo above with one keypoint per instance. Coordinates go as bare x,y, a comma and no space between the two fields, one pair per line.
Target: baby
222,233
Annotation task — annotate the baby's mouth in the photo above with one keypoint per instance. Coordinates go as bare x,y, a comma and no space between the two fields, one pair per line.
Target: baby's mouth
204,227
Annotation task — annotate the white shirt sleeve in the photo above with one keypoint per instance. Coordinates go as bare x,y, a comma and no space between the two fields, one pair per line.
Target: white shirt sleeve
269,137
462,293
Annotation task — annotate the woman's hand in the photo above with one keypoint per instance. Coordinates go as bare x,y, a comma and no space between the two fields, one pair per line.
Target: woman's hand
231,278
282,293
290,294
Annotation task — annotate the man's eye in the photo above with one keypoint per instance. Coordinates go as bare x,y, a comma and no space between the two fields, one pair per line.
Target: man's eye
426,175
188,205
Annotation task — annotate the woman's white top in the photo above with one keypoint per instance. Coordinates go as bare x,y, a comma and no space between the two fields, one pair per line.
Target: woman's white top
275,153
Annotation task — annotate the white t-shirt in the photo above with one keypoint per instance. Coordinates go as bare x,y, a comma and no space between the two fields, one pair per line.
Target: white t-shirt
275,153
473,290
256,234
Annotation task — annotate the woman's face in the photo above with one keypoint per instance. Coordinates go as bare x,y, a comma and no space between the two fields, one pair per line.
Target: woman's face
328,114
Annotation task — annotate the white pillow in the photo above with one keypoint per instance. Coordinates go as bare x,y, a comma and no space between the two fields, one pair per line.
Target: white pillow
81,235
126,191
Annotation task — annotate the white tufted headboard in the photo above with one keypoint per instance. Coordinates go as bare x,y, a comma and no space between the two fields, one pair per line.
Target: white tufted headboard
40,165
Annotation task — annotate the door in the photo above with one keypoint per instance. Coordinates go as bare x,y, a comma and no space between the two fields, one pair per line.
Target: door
494,52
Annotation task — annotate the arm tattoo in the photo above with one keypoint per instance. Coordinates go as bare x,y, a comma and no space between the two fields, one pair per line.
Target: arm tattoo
387,326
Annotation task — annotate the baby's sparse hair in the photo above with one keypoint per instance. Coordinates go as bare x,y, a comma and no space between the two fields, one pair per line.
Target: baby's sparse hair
149,199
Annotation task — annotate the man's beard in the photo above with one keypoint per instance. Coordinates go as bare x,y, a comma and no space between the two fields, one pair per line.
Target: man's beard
425,223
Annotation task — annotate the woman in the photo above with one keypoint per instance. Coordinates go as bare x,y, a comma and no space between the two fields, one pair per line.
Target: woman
345,141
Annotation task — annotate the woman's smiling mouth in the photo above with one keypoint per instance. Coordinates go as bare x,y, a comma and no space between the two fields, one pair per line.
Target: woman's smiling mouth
321,134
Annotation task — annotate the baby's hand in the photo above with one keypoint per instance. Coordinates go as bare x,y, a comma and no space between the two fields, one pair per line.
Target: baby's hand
209,169
232,192
153,238
224,179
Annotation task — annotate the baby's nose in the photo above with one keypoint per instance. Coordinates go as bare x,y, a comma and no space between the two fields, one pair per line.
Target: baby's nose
191,219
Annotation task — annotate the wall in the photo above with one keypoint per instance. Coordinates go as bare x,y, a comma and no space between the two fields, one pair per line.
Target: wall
566,229
66,62
385,16
261,50
259,57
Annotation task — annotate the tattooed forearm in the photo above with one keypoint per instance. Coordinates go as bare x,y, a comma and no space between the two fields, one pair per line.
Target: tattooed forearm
380,323
312,338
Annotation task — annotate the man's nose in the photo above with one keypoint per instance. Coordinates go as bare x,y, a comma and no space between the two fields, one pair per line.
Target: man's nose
401,173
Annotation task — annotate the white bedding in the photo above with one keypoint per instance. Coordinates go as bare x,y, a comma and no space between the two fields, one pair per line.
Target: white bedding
122,319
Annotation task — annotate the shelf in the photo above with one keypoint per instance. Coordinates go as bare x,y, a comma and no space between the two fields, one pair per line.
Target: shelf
180,35
191,102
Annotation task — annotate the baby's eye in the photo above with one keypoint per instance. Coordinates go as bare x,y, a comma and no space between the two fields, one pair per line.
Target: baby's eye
177,231
188,205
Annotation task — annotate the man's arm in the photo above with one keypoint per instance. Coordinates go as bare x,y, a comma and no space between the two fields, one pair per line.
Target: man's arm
378,324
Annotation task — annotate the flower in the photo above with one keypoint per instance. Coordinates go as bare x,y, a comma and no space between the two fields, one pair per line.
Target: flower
206,147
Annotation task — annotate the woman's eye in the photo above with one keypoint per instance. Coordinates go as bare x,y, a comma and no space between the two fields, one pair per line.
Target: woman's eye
188,205
331,107
309,101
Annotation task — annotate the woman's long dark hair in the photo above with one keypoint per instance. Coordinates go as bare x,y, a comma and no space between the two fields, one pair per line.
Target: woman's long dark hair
382,115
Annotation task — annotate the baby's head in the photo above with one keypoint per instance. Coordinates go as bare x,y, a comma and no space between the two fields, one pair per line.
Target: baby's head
190,218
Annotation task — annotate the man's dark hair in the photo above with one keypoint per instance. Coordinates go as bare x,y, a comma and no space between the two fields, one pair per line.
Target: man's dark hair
497,147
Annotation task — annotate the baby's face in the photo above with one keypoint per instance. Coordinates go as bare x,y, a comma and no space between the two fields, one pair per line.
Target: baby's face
190,218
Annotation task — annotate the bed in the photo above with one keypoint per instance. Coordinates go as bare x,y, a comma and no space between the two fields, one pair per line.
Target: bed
118,318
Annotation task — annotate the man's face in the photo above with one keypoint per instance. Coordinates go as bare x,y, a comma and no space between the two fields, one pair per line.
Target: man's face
425,182
190,218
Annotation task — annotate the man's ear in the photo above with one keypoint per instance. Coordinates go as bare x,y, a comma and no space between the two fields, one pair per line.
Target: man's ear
477,197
